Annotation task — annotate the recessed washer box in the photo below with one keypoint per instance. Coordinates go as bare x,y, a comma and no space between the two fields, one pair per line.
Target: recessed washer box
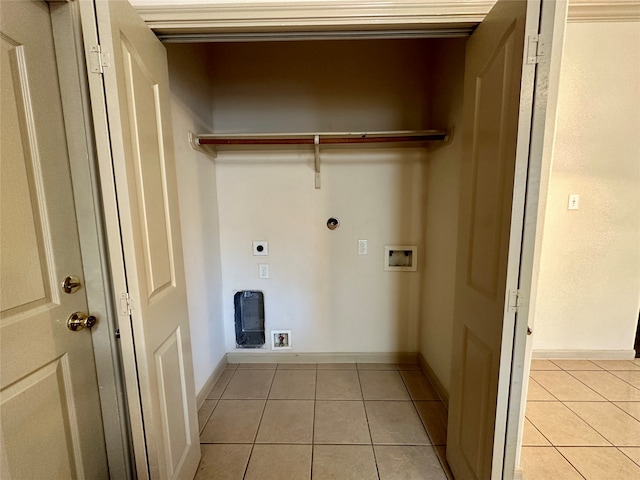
400,258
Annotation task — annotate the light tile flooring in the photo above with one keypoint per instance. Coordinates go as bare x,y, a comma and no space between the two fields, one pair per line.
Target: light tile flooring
582,420
328,421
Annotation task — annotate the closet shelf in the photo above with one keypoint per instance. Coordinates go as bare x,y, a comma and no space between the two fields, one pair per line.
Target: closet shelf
208,143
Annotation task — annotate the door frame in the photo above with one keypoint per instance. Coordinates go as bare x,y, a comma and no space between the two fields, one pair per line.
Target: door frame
97,268
96,204
552,23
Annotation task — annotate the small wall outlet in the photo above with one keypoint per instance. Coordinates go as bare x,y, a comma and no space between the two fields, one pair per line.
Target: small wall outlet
362,247
574,201
263,270
260,248
280,339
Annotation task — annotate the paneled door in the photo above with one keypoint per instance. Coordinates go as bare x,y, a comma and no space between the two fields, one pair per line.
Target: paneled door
497,116
143,217
50,410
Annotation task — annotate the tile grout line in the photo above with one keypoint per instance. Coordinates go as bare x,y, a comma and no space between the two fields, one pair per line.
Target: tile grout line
313,424
216,399
620,450
537,430
204,423
569,462
246,468
366,416
233,374
531,379
589,387
606,401
620,378
423,423
564,404
611,444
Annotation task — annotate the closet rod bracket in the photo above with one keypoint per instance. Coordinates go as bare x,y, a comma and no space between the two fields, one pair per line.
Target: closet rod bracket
316,146
194,141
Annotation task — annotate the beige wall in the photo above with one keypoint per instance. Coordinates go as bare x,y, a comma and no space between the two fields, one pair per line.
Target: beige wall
442,190
332,299
589,287
191,111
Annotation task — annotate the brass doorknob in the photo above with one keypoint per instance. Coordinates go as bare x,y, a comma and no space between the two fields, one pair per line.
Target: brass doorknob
71,284
78,320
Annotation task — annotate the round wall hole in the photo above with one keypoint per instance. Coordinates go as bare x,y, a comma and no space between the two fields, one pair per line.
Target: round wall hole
333,223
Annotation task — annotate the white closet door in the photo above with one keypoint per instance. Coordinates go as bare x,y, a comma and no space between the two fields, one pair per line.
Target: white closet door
49,404
155,333
498,97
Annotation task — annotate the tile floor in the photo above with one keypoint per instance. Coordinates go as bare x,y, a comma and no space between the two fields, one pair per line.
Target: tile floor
327,421
582,420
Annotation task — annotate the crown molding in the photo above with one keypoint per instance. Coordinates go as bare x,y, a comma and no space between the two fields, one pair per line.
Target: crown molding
199,20
316,15
604,11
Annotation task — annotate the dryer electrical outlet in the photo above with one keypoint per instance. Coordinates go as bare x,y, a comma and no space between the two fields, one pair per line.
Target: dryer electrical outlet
260,248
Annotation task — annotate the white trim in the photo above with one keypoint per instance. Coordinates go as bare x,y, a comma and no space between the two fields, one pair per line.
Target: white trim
211,381
435,381
301,15
343,34
604,11
334,19
114,241
67,32
545,114
585,354
345,357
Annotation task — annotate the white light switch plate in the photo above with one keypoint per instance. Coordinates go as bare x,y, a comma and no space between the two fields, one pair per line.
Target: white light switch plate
263,270
362,247
574,201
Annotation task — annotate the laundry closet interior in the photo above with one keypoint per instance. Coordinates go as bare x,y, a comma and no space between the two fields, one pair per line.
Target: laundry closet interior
337,302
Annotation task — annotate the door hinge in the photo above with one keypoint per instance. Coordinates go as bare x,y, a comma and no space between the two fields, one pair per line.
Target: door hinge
516,300
98,59
125,304
536,49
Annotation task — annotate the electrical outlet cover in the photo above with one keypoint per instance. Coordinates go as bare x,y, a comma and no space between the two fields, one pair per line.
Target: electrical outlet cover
260,248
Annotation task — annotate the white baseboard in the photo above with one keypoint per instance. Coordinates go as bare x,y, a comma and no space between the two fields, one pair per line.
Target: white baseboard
343,357
211,381
585,354
430,374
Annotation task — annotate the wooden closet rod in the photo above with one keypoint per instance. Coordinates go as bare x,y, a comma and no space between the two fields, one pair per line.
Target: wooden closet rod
324,139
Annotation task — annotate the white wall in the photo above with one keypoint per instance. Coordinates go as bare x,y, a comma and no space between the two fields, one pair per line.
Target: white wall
442,186
332,299
589,287
312,86
190,104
